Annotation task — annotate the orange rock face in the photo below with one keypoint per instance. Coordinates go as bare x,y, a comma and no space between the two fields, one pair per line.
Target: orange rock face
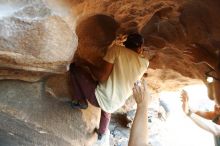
179,36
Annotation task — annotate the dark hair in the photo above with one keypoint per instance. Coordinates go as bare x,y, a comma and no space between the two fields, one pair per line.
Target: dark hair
134,41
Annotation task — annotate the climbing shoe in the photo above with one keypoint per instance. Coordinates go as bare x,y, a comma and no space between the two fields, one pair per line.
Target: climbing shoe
76,104
99,134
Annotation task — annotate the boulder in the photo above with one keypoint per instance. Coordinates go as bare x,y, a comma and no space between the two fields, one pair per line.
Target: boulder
33,38
29,117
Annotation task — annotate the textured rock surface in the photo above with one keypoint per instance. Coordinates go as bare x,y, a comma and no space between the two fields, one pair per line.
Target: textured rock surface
34,38
35,119
38,38
29,29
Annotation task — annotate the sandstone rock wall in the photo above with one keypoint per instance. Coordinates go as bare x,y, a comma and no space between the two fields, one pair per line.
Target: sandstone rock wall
41,36
33,38
29,117
38,38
